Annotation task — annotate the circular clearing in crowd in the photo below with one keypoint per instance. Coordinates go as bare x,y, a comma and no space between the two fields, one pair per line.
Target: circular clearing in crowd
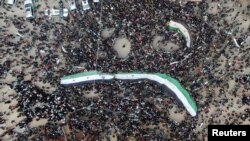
122,46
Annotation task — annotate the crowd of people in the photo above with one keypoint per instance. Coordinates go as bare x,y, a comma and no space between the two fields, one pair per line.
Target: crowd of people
120,109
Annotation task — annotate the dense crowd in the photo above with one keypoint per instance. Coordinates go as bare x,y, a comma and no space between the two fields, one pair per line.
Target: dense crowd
122,109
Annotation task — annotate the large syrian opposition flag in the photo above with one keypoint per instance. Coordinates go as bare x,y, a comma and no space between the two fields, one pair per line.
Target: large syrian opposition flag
182,29
169,84
86,77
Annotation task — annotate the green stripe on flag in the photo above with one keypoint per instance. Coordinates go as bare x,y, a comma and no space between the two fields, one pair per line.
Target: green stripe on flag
180,87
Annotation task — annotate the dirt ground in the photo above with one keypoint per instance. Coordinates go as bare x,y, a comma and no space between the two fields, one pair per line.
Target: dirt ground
123,46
